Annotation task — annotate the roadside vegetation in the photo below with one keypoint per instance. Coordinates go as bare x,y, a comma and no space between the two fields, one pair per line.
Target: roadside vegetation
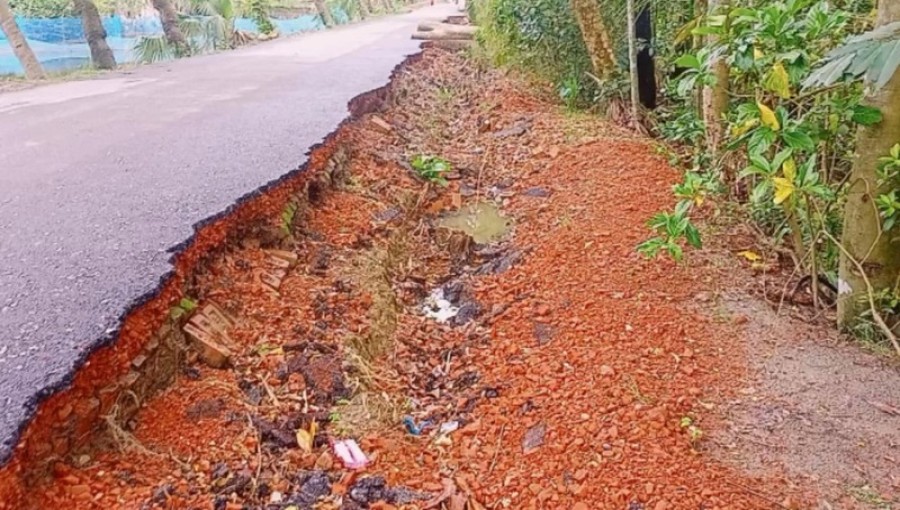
786,112
190,27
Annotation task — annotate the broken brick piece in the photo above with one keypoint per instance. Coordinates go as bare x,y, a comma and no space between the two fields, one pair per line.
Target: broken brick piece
211,352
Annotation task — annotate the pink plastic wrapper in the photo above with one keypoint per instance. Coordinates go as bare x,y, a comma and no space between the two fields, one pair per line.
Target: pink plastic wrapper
350,454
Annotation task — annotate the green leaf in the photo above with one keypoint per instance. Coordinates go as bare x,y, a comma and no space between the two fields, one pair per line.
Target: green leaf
651,247
744,12
780,158
798,140
658,221
706,31
866,115
760,140
759,161
675,252
693,236
760,191
689,61
750,171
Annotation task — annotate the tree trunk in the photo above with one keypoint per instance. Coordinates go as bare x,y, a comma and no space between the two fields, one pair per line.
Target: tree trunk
646,67
715,101
169,20
324,13
595,35
33,69
101,55
878,254
632,64
701,7
364,9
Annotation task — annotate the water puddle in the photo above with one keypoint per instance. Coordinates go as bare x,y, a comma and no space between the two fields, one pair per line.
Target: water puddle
482,221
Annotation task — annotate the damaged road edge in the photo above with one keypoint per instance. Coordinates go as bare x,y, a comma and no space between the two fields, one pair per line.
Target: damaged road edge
61,418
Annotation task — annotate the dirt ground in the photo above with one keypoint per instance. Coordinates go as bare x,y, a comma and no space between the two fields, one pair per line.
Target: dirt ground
823,410
573,373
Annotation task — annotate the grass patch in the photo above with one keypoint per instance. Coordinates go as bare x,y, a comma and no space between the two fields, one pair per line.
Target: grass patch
375,271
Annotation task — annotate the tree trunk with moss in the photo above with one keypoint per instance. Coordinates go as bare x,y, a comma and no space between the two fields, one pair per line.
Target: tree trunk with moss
30,63
596,37
715,99
877,251
168,17
101,55
324,13
632,63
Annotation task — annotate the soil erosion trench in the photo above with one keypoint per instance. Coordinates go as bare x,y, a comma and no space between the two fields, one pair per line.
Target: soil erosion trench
153,347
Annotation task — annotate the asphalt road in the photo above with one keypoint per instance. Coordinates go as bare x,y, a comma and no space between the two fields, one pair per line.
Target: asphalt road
99,179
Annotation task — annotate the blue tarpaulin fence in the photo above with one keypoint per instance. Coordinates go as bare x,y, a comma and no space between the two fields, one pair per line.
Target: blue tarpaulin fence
59,43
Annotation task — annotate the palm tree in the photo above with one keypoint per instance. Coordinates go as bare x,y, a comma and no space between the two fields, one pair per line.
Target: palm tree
363,9
33,69
324,13
867,246
169,19
101,55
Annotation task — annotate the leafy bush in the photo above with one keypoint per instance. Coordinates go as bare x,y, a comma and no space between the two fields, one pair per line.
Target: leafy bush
797,143
540,37
258,11
44,8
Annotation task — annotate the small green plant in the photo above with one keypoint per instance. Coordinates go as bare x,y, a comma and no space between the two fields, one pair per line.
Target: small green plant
570,91
684,127
889,203
671,229
287,217
445,95
694,432
432,168
184,307
693,189
696,72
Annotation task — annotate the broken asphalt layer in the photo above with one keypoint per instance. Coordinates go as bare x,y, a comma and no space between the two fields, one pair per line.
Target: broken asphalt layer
101,181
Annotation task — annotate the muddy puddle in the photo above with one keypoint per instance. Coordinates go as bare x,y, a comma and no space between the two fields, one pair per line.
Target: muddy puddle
482,221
